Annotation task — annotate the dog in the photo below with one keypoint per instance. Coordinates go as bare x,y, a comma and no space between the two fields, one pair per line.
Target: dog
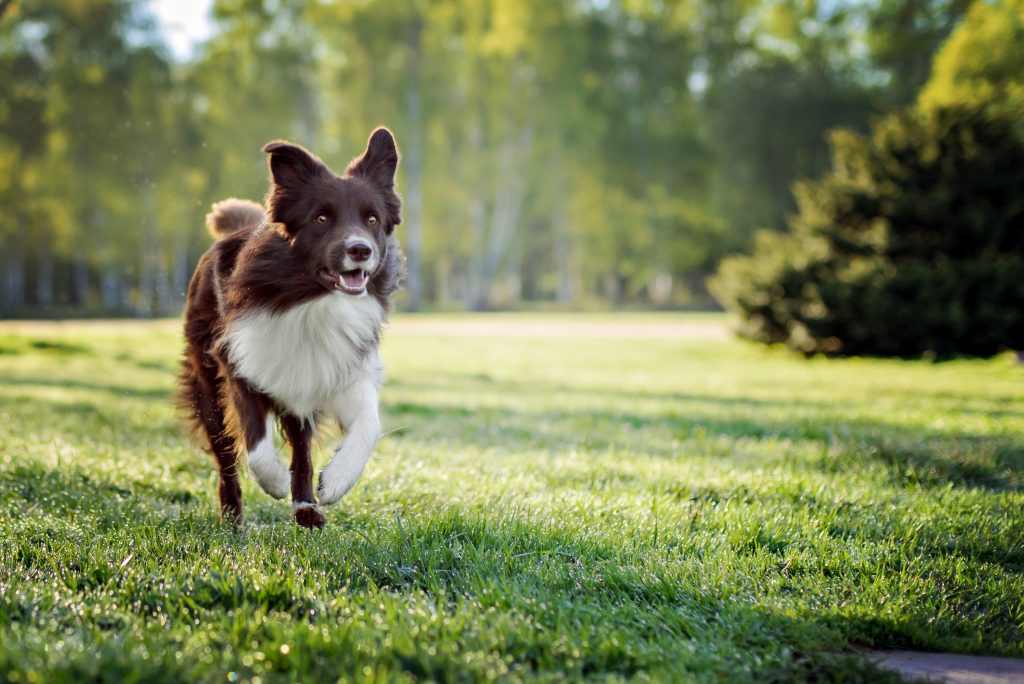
283,319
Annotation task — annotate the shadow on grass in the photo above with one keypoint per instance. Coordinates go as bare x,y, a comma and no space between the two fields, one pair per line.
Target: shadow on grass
16,345
106,388
915,456
73,490
996,405
637,609
89,425
548,588
459,554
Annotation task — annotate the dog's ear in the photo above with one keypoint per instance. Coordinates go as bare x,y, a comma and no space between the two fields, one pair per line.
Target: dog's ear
380,160
291,166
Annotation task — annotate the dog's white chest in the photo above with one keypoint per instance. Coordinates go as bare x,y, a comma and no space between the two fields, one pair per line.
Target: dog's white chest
306,356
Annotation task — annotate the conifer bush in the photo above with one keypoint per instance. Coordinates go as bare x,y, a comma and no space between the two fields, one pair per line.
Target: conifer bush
912,244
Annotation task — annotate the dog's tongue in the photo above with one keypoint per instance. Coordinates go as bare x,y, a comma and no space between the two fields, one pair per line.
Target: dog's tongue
354,279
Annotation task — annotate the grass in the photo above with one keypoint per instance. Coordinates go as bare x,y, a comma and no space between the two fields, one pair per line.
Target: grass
546,506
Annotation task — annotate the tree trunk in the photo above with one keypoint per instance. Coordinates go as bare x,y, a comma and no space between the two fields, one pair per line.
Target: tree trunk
513,290
44,279
79,281
179,270
560,228
147,275
476,298
14,275
477,220
508,201
144,296
413,170
307,124
442,278
164,296
79,265
110,286
563,253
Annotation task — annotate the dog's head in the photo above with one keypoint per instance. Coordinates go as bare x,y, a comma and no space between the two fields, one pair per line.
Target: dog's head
340,226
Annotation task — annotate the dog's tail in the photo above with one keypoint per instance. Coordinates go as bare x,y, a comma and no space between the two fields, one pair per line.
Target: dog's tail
231,215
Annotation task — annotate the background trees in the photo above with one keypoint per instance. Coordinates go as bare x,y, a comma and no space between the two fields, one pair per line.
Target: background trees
569,152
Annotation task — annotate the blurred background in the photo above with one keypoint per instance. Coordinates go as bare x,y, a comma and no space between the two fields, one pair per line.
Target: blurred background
572,154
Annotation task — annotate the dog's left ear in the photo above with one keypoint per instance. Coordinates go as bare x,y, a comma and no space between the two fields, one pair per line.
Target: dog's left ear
380,160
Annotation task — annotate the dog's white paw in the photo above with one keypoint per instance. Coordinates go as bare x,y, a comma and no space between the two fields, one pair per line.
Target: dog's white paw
334,483
268,469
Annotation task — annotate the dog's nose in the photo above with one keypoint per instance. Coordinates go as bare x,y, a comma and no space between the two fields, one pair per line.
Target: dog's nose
359,251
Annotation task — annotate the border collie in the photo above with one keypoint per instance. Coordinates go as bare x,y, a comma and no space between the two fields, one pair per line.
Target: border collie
283,318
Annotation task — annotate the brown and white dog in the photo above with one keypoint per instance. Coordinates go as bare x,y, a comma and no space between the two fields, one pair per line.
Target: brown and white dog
283,318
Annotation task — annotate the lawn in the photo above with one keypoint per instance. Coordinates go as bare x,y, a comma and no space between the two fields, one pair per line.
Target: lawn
639,498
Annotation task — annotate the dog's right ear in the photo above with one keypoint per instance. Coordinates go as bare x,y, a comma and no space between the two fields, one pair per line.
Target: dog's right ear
291,166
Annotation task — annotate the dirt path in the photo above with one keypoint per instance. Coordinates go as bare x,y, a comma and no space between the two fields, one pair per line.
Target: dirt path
623,326
948,667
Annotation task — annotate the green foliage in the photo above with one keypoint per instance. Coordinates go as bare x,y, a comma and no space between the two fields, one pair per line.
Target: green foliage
546,505
769,123
912,244
983,61
552,150
903,38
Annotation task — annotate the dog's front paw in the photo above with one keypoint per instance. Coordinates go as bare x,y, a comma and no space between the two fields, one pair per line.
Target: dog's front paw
308,514
324,494
274,484
330,487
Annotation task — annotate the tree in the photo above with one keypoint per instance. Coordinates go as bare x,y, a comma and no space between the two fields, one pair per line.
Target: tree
562,151
85,96
903,38
784,74
770,124
912,244
22,148
983,61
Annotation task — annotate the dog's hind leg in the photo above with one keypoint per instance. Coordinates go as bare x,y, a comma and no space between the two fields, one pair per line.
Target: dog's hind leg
230,490
304,508
255,424
200,393
357,412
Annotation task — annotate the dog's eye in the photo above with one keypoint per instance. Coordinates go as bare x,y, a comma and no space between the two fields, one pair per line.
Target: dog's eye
372,219
321,219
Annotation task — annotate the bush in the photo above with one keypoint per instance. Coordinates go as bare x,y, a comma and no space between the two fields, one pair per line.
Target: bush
912,244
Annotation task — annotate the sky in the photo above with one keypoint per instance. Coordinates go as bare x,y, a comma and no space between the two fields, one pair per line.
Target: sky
184,23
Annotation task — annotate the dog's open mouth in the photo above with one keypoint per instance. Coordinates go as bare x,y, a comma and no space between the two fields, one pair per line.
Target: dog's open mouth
350,282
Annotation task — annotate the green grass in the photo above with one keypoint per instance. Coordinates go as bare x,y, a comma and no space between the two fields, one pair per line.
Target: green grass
544,507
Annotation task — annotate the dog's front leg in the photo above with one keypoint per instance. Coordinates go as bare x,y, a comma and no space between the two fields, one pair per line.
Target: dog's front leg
256,424
304,507
357,412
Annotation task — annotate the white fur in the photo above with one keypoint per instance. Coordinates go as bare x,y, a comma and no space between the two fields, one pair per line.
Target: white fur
318,357
272,476
307,356
357,411
299,505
